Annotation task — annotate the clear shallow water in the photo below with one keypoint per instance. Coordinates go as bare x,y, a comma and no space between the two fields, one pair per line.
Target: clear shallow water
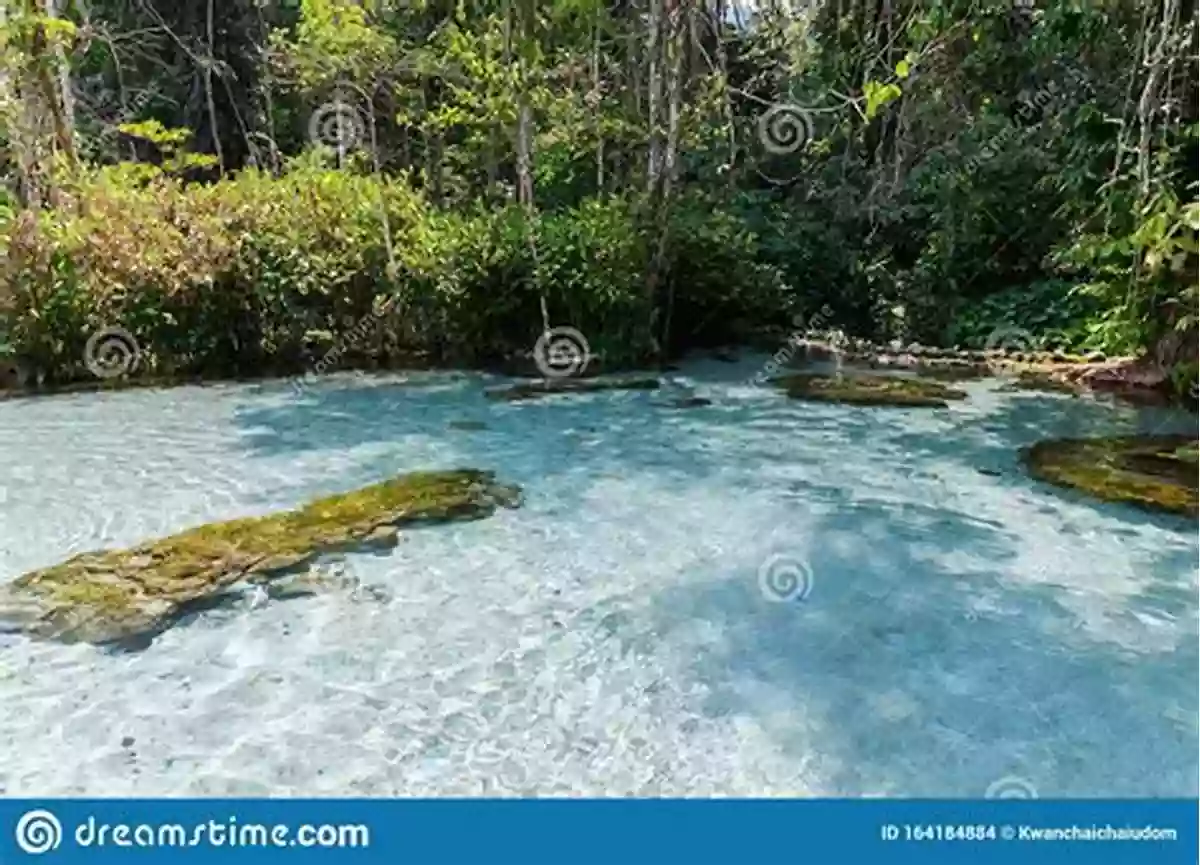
612,636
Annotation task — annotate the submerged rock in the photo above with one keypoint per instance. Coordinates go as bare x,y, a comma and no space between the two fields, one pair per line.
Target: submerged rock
687,402
869,390
552,386
319,580
679,392
1153,472
468,425
114,595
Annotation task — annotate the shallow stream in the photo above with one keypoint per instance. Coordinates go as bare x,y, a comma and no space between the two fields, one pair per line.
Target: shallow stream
946,629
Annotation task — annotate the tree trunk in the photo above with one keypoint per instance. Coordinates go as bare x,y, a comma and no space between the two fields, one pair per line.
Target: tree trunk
718,25
598,96
654,97
525,153
38,96
665,51
209,102
1155,63
674,61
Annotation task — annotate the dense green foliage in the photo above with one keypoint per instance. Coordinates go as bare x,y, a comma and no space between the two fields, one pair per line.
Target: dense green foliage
961,170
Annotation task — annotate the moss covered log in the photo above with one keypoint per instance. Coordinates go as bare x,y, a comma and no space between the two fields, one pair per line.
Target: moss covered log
110,595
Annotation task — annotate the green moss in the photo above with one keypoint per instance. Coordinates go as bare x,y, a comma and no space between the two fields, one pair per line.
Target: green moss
869,390
109,595
1189,453
1153,472
552,386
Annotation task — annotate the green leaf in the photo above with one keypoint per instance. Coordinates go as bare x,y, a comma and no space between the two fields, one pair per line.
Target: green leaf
879,95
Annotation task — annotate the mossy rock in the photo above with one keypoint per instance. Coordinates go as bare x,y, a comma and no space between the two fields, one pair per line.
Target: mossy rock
1188,453
553,386
869,390
112,595
1152,472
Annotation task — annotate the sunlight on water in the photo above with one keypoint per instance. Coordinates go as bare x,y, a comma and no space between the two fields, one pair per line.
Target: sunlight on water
942,628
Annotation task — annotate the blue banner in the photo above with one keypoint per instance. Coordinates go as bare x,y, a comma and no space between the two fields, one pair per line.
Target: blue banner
598,832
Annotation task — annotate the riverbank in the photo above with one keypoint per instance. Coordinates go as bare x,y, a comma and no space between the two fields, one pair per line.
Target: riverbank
1135,379
1132,379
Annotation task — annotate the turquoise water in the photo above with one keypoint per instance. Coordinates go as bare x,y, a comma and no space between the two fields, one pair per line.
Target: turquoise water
621,633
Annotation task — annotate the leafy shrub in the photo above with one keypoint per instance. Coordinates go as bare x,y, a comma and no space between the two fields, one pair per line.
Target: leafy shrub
1053,314
235,277
256,274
